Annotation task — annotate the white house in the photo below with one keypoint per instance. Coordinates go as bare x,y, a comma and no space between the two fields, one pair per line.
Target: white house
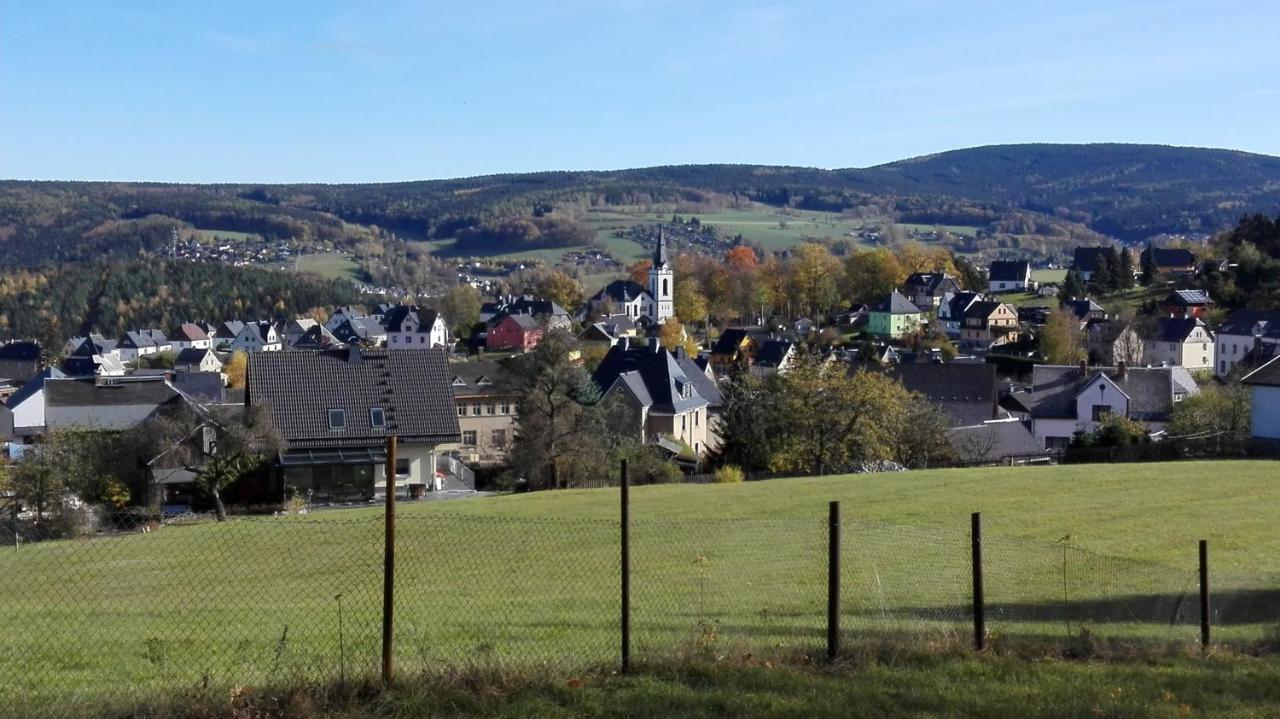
1241,333
22,416
1264,398
951,311
197,360
294,330
413,327
1009,277
191,336
1065,399
257,337
142,343
1185,342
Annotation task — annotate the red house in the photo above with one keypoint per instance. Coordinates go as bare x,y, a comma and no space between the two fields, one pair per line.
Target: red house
1185,304
520,333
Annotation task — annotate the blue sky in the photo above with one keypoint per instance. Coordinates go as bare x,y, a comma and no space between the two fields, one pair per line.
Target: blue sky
332,91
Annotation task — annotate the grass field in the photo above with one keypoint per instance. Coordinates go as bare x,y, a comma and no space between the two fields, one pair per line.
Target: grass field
1049,276
531,580
329,265
226,235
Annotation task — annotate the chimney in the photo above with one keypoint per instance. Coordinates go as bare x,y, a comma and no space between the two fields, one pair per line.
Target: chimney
353,355
1084,366
1120,370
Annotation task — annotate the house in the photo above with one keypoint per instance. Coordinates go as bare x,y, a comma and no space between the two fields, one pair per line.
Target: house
343,314
486,408
413,327
989,323
1085,260
608,330
1085,310
1243,331
1110,342
335,410
1187,303
734,345
1066,399
1002,442
894,317
926,289
259,336
1264,401
1181,341
197,360
1009,276
20,361
668,401
294,329
22,417
365,332
226,333
774,356
550,314
108,365
965,391
317,337
112,404
1170,260
142,343
518,333
952,309
191,336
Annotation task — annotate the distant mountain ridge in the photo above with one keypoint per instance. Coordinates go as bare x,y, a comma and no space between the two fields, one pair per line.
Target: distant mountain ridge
1125,191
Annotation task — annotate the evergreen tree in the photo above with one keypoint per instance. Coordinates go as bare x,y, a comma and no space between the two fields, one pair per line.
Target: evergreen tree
1149,270
1104,273
1125,273
1072,286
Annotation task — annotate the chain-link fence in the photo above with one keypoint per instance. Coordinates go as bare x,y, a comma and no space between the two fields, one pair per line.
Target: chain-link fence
133,609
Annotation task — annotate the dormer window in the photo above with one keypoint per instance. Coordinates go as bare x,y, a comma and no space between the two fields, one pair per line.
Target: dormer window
377,418
458,382
337,419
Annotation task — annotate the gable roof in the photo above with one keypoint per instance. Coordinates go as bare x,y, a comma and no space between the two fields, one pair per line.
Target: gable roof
896,304
983,309
317,337
33,385
1000,438
653,370
359,330
1174,329
1083,308
191,355
1009,271
773,353
622,291
474,379
730,341
966,392
412,388
1085,259
395,319
1054,389
1256,323
1171,256
929,282
191,332
20,351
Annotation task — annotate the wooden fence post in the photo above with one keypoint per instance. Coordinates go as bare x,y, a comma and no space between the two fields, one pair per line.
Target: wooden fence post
389,565
979,602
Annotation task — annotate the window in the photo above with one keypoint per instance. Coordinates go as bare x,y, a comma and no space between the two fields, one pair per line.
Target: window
1179,396
665,287
402,467
469,438
422,340
395,339
506,408
377,418
1056,442
475,409
1101,412
499,438
696,416
462,410
337,419
684,423
491,408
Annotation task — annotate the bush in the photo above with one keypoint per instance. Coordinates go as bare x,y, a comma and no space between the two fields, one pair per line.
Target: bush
728,474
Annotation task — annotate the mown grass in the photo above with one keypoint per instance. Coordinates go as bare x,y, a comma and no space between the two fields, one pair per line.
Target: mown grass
329,265
531,581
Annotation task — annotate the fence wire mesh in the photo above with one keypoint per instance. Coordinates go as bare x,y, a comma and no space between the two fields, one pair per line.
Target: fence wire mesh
129,609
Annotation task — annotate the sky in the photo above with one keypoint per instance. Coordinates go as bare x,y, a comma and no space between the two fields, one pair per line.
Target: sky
339,91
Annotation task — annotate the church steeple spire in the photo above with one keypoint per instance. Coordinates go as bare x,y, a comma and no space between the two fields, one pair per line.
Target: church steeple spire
660,252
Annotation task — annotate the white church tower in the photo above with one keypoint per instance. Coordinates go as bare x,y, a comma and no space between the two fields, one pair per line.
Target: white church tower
662,282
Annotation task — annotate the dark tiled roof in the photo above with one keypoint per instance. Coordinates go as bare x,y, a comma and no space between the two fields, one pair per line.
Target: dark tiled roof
1009,271
730,341
1268,375
87,393
653,370
1256,323
1172,256
966,392
696,370
317,338
896,304
982,309
1173,329
20,351
32,386
201,386
1083,308
1150,389
475,379
772,353
524,322
998,439
1085,259
191,355
620,291
395,319
300,387
931,283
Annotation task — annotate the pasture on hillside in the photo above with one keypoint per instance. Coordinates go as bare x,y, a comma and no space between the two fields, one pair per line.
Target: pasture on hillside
532,580
329,265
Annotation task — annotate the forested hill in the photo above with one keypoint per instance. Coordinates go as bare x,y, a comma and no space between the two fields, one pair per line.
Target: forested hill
1126,191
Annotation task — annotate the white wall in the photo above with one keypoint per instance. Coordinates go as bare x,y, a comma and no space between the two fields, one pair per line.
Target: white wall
1266,411
1096,395
422,468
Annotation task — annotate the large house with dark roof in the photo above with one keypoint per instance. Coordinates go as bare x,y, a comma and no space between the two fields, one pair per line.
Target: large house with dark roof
22,415
1182,341
1085,260
486,407
548,313
1187,303
335,410
19,361
672,396
413,327
926,289
1170,260
1009,276
965,391
989,323
1245,333
1066,399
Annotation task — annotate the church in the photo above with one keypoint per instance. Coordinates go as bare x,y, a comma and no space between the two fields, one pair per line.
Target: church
647,305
